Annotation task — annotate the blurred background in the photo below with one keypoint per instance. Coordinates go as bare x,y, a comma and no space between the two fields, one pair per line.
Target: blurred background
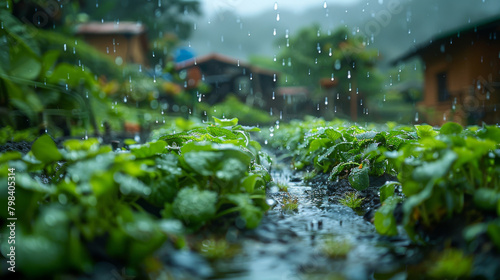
100,67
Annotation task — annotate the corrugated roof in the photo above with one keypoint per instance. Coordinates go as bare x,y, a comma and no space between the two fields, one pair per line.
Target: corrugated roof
124,27
224,59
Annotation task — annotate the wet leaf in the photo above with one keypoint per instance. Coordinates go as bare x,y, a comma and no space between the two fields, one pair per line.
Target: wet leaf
359,179
45,150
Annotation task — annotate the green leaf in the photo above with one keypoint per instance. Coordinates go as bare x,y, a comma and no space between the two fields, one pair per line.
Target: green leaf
387,190
425,131
486,199
384,220
221,132
149,149
332,134
451,128
490,132
249,212
25,65
225,122
435,169
359,179
250,182
45,150
195,207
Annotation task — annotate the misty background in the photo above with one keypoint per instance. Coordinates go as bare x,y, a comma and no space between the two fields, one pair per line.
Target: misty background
246,29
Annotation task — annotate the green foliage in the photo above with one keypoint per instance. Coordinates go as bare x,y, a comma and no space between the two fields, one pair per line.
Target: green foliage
10,134
130,202
452,264
442,172
313,55
351,200
232,107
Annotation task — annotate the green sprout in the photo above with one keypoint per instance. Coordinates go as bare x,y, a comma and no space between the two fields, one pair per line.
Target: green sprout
351,200
336,248
452,263
310,175
290,204
214,249
282,186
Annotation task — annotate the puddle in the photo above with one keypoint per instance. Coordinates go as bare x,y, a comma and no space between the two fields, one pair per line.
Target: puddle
290,245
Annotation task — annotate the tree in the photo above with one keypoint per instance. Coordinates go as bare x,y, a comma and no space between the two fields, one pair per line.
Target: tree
311,57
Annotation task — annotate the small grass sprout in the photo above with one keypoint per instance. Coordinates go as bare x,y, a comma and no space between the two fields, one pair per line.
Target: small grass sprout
351,200
214,249
310,175
290,204
336,248
283,187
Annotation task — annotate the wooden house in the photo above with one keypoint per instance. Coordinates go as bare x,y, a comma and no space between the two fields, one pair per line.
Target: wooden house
125,41
224,75
462,75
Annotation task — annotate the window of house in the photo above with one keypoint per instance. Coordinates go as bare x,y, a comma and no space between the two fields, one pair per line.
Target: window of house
443,93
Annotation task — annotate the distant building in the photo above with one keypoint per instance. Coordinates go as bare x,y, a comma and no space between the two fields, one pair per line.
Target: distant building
462,75
253,85
125,41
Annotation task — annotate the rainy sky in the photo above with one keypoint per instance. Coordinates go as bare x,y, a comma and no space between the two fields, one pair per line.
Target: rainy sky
247,7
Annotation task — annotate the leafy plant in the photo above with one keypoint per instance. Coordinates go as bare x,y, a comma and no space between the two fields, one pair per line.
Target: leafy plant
130,202
351,200
290,204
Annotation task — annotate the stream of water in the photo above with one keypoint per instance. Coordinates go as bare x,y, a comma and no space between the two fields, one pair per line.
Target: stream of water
290,245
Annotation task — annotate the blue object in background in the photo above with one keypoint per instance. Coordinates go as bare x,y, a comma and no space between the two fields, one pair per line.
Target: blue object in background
183,54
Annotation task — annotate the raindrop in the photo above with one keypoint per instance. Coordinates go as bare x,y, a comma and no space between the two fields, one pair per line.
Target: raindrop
274,32
125,99
274,58
275,6
64,47
335,109
270,112
274,77
309,72
348,74
326,100
159,3
338,96
444,117
330,52
487,95
350,88
273,96
96,4
384,97
281,114
277,17
332,78
361,102
317,108
251,78
368,74
318,47
416,117
318,34
325,5
337,64
222,38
